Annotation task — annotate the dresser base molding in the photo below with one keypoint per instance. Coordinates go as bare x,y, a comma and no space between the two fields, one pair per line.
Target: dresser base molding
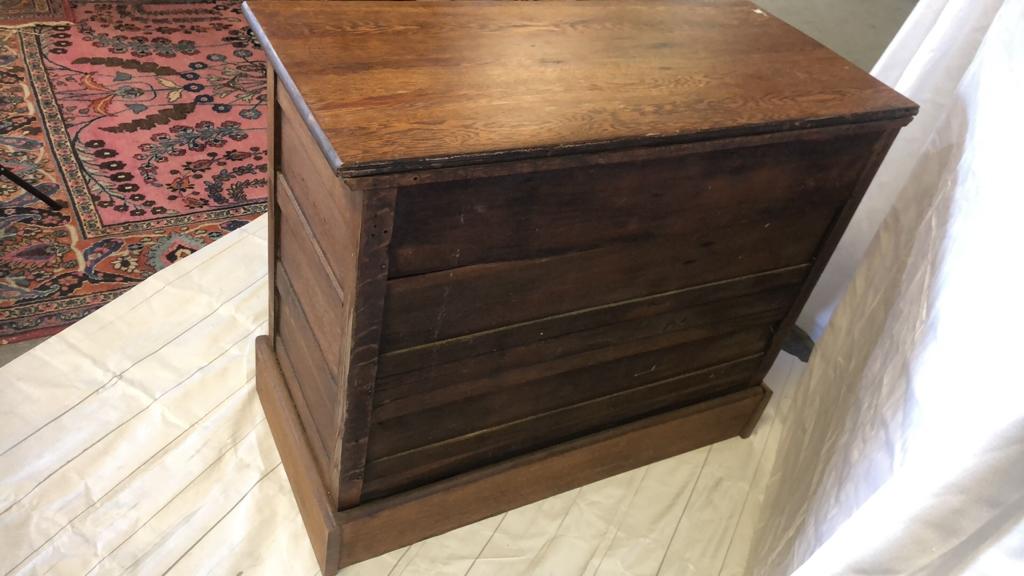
379,526
318,515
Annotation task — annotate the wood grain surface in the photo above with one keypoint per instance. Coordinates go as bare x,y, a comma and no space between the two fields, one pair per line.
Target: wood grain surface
318,291
388,523
520,246
517,249
544,214
417,370
392,86
446,458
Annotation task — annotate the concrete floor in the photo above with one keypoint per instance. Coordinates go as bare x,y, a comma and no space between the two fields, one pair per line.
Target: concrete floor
859,30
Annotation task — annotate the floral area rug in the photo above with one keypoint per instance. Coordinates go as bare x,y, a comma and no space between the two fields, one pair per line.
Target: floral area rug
24,12
148,121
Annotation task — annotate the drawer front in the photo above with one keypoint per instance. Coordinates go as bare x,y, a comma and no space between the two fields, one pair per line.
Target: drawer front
423,368
513,393
480,422
487,253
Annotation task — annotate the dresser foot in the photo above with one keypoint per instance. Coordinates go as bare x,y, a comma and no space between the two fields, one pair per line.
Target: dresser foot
756,416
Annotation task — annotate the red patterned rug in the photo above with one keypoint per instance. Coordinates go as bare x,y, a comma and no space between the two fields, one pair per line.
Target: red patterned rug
23,12
148,120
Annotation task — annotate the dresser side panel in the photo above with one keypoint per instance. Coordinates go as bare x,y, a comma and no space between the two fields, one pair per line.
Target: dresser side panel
317,254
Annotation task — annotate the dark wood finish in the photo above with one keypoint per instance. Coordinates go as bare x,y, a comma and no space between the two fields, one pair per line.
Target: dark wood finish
666,321
518,247
580,330
318,390
466,452
876,154
614,156
761,209
466,406
371,274
322,298
382,525
543,215
385,524
317,510
272,225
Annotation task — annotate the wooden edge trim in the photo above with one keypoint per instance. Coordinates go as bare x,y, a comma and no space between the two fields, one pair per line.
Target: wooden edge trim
272,219
299,465
428,174
380,526
748,429
376,225
289,85
402,165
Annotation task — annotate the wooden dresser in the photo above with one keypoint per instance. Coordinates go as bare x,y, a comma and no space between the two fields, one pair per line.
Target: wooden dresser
518,247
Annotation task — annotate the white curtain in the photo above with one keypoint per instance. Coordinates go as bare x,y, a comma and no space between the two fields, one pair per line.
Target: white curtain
903,451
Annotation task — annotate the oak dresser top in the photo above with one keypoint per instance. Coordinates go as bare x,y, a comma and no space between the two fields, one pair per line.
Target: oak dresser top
394,86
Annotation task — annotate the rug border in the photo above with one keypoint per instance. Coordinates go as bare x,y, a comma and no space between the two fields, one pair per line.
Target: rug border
69,18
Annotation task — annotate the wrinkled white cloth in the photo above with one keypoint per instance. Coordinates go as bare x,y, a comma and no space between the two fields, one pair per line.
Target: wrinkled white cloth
903,451
926,61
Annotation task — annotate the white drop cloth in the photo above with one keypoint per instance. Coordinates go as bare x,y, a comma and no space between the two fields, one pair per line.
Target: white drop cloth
903,452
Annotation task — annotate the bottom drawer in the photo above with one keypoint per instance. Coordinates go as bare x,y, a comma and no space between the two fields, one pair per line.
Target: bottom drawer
433,462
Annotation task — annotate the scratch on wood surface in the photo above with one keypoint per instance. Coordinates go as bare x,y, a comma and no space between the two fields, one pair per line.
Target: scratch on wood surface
442,309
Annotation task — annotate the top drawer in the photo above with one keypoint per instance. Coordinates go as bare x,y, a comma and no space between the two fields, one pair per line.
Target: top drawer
480,254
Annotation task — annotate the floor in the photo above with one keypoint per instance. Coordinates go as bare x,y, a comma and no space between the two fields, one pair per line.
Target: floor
858,30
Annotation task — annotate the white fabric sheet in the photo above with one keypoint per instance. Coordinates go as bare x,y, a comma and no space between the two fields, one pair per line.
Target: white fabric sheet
903,452
926,61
